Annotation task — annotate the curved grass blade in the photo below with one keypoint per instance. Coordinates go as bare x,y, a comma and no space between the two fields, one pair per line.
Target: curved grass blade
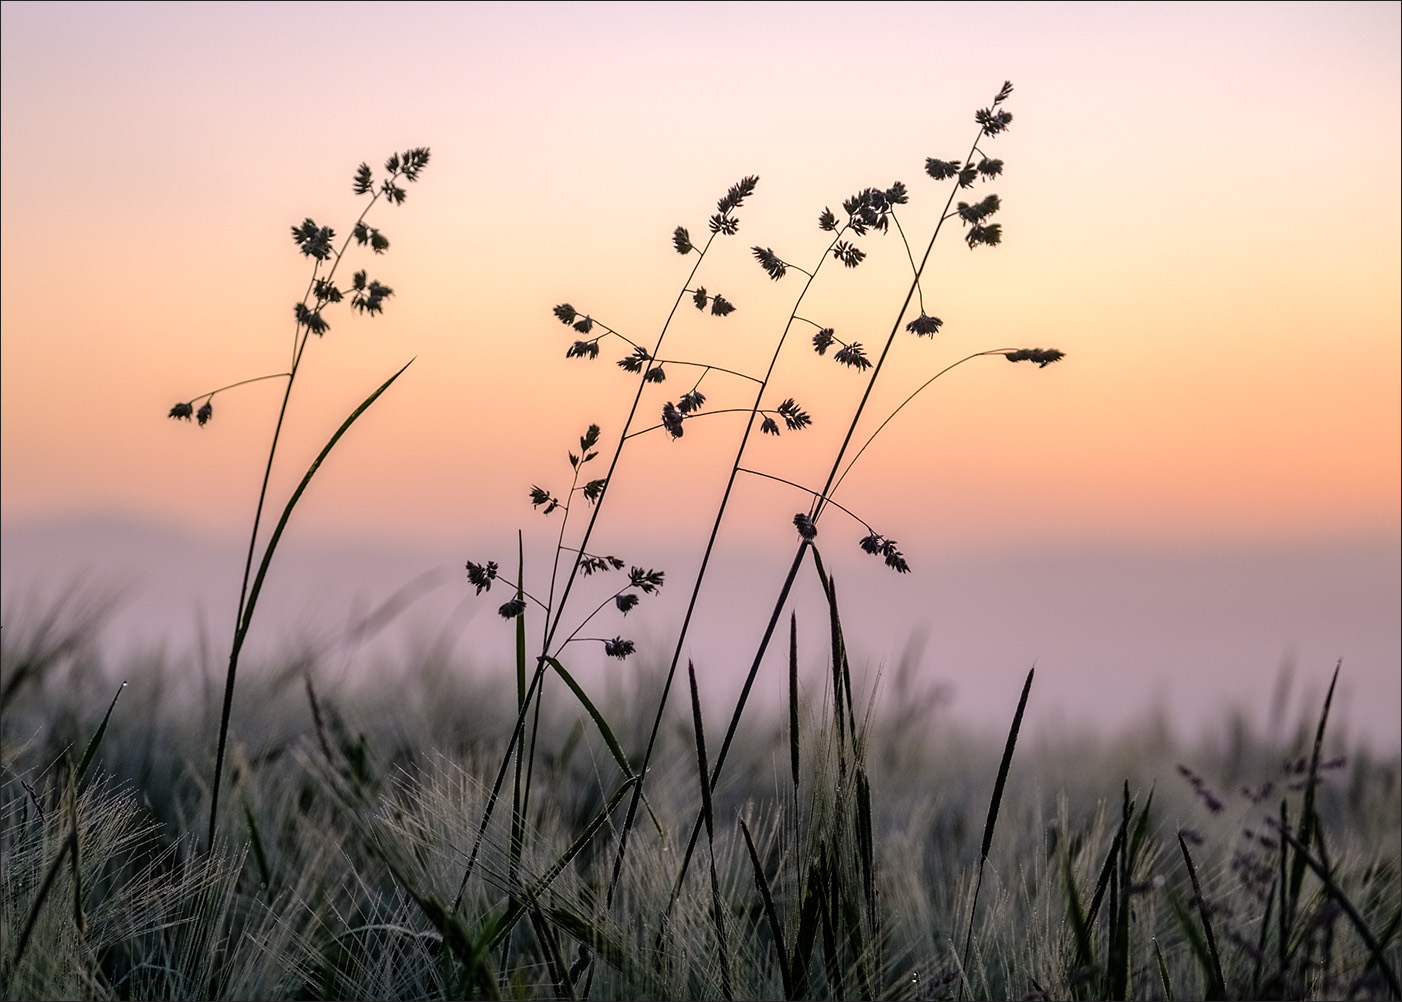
1307,815
1163,974
1376,945
96,739
841,666
301,488
994,804
242,631
1103,882
1217,982
771,913
1080,922
260,855
605,731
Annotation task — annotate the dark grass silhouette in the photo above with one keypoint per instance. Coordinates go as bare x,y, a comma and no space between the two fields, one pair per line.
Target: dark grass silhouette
489,842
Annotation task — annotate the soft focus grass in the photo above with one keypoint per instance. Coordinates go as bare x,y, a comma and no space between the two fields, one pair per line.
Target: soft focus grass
352,828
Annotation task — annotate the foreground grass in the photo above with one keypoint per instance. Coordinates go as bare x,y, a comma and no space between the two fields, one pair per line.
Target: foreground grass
340,873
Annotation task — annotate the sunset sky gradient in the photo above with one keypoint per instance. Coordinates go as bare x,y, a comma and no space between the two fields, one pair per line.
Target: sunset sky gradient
1200,207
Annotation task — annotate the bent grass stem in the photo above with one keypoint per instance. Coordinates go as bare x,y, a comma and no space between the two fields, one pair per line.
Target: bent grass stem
804,544
899,408
554,617
696,587
243,618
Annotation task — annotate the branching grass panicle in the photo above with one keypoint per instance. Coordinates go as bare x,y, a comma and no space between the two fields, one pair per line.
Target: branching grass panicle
426,832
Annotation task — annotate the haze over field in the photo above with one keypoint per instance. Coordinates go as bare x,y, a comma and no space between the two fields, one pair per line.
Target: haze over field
1200,207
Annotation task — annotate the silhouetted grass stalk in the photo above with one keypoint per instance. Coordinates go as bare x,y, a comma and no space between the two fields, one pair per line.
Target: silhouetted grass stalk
555,609
316,243
993,805
991,122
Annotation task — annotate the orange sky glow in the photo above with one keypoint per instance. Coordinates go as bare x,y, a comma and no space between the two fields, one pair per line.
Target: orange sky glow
1212,240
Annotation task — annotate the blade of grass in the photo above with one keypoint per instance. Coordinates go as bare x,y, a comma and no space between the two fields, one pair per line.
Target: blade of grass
1283,936
717,910
802,957
96,739
606,732
1164,978
590,934
855,939
771,914
520,793
247,619
506,760
1116,847
866,846
1118,959
472,954
838,656
827,900
1307,816
842,668
80,918
1376,946
793,700
550,946
260,855
1217,986
995,803
1140,835
1080,924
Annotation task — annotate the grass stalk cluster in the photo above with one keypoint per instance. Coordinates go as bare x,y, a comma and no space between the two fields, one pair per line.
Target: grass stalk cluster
501,844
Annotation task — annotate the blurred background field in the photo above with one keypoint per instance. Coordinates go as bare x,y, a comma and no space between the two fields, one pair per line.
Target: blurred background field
304,900
1118,633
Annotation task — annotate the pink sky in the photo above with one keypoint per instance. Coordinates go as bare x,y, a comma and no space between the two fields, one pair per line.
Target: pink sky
1201,207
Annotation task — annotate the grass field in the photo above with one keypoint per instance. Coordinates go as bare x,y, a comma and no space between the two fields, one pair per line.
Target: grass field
432,831
354,810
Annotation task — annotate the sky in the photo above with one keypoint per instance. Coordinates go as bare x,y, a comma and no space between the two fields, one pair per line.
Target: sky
1200,206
